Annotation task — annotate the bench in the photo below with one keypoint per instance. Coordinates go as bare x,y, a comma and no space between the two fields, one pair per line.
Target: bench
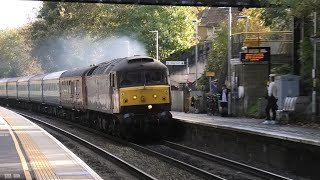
292,108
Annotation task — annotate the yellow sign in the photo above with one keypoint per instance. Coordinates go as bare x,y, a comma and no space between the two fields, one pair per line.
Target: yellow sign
210,74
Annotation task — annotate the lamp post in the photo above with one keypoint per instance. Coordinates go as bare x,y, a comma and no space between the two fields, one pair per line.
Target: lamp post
157,43
229,56
246,18
128,46
196,50
314,70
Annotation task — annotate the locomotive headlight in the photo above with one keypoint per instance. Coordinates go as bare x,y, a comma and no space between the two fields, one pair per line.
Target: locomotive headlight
155,96
150,107
134,97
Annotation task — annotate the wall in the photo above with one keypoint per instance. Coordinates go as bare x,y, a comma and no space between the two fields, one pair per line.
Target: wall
277,155
253,77
177,101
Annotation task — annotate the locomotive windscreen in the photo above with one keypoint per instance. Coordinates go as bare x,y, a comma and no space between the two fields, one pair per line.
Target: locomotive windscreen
140,78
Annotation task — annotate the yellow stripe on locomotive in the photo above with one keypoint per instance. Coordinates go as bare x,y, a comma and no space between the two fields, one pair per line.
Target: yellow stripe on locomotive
141,95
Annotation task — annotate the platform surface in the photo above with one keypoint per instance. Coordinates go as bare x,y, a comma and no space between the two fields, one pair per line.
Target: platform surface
29,152
254,126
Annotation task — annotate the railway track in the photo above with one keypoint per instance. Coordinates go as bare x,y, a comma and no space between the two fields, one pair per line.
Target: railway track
199,170
121,163
226,162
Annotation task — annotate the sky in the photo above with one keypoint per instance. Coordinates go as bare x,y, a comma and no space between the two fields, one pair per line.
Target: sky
16,13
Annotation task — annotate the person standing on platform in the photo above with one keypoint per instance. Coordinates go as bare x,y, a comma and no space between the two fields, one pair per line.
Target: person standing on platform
272,101
224,100
214,87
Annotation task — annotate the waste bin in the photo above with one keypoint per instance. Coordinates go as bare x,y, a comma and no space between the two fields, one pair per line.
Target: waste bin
287,86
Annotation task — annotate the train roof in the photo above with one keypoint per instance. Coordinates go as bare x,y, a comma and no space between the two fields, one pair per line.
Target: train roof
139,62
4,80
37,77
76,72
105,67
13,79
25,78
54,75
127,64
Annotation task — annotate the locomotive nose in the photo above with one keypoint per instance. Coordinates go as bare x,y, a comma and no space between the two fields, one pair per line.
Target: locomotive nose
148,95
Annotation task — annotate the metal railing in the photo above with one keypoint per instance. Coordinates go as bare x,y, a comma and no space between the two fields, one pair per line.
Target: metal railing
280,42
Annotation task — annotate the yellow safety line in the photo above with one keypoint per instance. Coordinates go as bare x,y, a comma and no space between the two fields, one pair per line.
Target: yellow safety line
22,158
39,163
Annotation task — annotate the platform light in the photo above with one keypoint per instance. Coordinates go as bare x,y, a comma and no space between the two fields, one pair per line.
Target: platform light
150,107
155,96
134,97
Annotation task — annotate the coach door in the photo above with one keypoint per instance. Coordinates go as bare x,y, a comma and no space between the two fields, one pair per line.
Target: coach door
113,90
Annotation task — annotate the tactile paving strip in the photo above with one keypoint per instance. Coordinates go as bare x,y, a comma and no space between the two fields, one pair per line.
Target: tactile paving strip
39,163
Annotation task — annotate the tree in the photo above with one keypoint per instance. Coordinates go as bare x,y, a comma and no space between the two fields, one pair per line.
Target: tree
84,26
302,12
218,53
15,54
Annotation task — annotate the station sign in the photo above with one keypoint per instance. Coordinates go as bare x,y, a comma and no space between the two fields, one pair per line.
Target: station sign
210,74
255,54
175,63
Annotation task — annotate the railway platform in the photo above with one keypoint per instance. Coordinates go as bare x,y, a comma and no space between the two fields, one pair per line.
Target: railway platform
254,126
29,152
279,148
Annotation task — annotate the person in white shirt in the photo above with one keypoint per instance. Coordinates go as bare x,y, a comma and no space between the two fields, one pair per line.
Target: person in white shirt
272,101
224,100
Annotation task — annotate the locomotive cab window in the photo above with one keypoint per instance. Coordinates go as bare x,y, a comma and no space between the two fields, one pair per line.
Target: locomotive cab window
140,78
131,79
155,77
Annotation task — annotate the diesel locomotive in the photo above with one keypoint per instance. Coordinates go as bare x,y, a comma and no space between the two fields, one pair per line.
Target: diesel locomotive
123,96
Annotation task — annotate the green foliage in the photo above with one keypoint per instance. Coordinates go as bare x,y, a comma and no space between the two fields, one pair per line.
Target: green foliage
256,23
218,53
91,23
301,10
15,54
278,19
283,69
253,110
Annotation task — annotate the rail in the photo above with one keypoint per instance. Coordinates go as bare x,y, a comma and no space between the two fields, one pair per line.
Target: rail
130,168
227,162
140,174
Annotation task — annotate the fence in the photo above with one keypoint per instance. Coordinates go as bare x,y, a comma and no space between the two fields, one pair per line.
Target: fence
279,42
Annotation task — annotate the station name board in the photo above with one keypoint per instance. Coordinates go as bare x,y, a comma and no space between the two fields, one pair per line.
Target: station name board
175,63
